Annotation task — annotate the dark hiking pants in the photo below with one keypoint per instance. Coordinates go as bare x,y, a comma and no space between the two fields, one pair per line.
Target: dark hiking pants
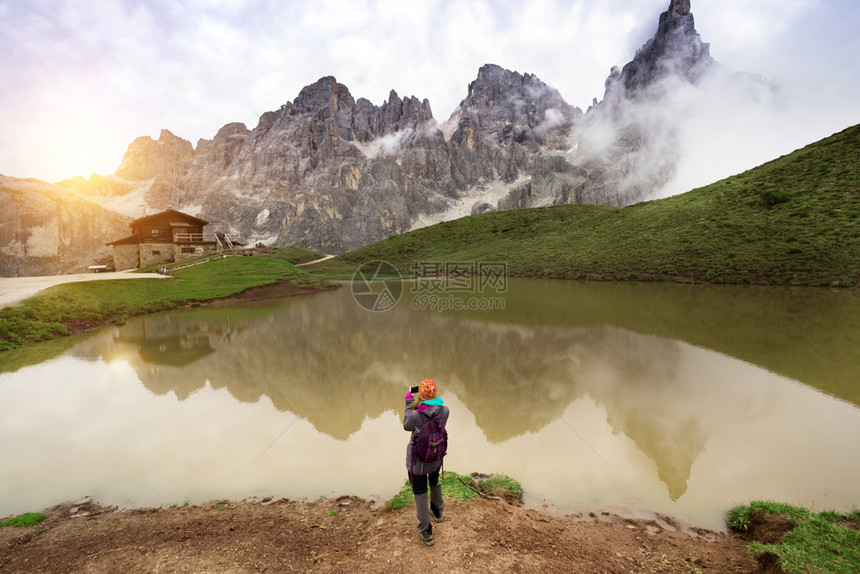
420,483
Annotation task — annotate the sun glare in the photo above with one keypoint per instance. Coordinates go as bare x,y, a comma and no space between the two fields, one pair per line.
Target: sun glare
69,155
120,364
68,146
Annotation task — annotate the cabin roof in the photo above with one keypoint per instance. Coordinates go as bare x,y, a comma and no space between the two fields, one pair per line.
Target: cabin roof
169,213
130,240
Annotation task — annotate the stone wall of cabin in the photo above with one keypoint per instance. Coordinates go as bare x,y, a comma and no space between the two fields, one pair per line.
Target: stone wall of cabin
155,253
125,257
185,251
138,256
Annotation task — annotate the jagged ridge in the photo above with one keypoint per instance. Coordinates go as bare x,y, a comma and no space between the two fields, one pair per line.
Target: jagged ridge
332,173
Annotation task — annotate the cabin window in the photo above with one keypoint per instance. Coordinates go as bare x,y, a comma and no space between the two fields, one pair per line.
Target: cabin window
188,250
156,252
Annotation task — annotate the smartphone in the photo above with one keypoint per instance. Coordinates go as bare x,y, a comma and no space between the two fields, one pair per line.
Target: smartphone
413,390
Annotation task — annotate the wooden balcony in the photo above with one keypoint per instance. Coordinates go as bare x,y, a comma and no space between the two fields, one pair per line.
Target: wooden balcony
193,238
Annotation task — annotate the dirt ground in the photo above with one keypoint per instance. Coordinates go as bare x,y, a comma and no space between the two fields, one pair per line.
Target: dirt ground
350,535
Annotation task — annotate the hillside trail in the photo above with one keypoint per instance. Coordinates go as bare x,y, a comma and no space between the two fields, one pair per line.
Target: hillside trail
13,290
326,258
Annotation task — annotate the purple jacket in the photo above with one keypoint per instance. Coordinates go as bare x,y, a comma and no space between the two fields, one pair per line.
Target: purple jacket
413,421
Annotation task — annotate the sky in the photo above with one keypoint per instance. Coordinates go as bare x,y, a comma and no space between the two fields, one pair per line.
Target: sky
80,80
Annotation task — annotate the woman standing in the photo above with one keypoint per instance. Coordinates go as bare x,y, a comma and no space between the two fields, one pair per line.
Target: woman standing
424,474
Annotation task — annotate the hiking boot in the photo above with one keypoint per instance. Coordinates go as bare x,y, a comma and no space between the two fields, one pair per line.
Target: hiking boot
428,539
436,512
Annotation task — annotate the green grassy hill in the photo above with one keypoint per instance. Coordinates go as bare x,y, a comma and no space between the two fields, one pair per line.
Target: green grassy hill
792,221
81,306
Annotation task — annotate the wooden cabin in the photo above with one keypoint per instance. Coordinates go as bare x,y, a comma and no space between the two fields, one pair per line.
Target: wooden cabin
163,237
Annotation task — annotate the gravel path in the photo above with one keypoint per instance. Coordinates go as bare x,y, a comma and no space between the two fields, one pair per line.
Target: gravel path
326,258
13,290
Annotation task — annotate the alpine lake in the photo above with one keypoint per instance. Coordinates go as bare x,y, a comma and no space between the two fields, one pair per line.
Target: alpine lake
633,398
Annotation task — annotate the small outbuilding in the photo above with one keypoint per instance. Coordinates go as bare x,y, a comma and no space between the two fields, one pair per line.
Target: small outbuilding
164,237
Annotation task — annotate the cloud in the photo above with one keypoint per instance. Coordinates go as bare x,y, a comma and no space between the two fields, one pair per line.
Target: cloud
553,119
806,50
733,121
82,80
727,124
388,145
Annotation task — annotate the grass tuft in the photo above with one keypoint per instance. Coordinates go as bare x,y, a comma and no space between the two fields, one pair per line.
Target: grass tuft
453,488
503,486
819,542
26,519
739,518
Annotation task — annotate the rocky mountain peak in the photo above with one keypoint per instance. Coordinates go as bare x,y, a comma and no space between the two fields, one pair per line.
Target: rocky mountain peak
505,104
217,154
680,7
631,137
490,84
166,137
231,130
325,95
397,114
146,158
496,86
676,49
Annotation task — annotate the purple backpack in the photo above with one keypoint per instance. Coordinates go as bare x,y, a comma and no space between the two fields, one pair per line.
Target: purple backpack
432,441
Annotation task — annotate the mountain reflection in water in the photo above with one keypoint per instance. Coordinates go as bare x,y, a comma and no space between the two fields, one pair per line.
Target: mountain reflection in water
542,379
335,364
